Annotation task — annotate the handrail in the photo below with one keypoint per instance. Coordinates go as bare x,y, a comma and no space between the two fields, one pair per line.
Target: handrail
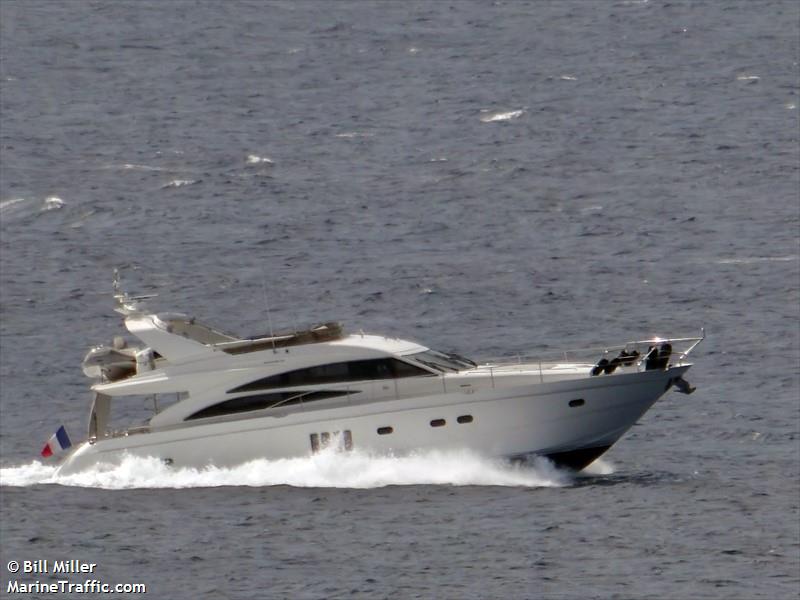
543,359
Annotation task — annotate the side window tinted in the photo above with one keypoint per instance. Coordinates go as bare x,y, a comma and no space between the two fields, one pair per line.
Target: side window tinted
262,401
369,369
404,369
237,405
356,370
320,374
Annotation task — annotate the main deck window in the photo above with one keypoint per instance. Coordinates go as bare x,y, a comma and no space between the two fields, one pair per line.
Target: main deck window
341,372
262,401
443,362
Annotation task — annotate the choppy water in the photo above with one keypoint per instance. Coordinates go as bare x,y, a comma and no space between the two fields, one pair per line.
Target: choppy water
489,178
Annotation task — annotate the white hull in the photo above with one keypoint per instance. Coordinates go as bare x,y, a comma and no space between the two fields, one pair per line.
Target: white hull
513,421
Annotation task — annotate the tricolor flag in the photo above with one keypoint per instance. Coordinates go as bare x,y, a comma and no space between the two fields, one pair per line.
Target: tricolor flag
57,443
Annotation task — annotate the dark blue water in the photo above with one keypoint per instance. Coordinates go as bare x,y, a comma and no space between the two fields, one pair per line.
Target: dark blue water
488,178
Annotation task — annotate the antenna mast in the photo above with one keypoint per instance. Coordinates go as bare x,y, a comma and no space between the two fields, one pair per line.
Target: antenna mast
266,304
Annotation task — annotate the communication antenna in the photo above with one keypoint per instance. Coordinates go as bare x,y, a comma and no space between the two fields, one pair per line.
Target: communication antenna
127,304
269,317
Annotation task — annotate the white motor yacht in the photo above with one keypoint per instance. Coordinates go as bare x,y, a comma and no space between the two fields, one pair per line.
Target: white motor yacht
223,400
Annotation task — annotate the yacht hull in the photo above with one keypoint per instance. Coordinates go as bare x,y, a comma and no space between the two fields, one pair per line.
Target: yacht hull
546,419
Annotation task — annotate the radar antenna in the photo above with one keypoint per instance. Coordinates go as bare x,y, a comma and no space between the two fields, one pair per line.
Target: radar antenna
269,316
127,304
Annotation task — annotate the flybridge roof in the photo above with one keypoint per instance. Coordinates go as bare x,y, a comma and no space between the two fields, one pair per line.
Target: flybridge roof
332,332
378,342
319,333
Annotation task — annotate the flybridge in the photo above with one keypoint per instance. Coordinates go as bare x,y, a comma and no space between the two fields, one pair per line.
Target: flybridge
179,338
191,329
188,327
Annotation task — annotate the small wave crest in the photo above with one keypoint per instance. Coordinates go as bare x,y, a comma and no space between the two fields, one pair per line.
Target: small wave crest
354,134
492,117
16,206
52,203
7,205
328,469
176,183
750,260
136,167
253,159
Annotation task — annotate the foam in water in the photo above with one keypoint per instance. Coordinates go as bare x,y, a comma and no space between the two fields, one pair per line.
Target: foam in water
137,167
353,135
253,159
52,203
598,467
326,469
7,204
20,206
175,183
501,116
749,260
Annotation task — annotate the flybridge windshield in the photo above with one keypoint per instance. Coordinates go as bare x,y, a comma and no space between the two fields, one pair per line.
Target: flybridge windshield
443,362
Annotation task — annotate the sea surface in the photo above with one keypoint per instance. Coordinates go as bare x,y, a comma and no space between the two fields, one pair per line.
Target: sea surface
492,178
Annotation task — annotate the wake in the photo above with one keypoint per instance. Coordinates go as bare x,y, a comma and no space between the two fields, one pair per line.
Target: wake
328,469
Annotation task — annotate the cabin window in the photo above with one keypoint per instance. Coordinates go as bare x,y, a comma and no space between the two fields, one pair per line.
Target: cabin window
385,430
438,423
320,441
404,369
356,370
443,362
577,402
262,401
464,419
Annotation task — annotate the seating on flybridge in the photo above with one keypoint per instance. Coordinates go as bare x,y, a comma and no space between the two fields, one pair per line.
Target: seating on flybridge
324,332
191,328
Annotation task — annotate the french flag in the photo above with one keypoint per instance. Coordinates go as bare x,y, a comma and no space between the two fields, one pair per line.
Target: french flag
57,443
